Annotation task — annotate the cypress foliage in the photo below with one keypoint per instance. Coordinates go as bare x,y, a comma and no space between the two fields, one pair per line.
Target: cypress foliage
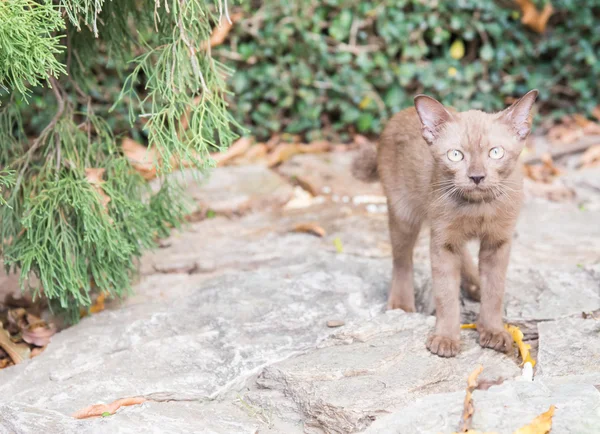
75,77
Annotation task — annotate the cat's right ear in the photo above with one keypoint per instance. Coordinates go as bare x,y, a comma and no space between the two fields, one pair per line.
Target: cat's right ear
433,116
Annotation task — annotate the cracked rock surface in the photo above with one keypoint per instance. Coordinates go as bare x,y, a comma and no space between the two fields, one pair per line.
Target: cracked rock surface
227,330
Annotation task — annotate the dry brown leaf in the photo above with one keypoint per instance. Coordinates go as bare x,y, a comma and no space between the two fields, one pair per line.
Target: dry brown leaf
219,33
286,151
94,177
468,408
4,363
237,149
555,192
310,228
591,157
141,158
565,132
544,172
97,410
533,18
36,351
540,425
39,335
17,352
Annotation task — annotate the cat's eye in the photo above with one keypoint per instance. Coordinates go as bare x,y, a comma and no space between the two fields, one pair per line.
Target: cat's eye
496,153
455,155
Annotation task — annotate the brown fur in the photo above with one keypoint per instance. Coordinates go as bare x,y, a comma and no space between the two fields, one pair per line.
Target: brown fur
422,183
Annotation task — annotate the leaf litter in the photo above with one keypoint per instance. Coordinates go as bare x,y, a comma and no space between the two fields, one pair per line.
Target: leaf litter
23,334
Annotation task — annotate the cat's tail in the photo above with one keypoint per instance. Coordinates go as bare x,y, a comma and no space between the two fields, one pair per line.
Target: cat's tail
364,165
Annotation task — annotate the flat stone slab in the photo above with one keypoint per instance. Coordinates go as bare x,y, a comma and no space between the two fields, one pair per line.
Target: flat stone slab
569,350
229,320
234,189
368,370
329,174
502,409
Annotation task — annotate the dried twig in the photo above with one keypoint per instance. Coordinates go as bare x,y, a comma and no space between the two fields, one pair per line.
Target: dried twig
469,409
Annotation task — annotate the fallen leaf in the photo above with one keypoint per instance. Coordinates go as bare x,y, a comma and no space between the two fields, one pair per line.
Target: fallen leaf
468,326
219,33
556,192
94,177
285,151
337,242
468,408
332,323
101,409
141,158
36,352
591,157
17,352
540,425
544,172
240,147
39,335
524,348
4,363
533,18
310,228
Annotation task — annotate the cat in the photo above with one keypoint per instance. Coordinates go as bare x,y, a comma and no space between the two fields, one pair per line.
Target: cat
460,172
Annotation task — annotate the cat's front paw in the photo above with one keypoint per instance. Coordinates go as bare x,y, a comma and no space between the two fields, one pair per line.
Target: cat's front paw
498,340
443,346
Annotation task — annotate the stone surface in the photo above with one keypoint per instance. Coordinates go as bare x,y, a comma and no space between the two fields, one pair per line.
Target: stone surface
570,350
501,409
367,370
328,174
229,322
235,189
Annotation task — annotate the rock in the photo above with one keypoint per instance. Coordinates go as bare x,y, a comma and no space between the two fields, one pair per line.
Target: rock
374,368
569,350
333,323
502,409
329,174
234,189
230,316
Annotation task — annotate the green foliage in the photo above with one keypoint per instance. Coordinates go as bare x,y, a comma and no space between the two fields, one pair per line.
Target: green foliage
28,44
315,67
131,70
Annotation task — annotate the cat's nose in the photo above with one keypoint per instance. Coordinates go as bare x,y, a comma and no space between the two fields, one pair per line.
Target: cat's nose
477,179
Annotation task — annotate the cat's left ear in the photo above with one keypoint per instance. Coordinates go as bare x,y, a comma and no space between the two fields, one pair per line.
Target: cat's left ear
518,115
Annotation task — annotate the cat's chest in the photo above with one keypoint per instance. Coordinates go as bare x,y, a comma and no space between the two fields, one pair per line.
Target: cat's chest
480,221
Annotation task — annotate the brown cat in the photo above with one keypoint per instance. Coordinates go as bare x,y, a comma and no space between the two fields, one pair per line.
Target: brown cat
459,171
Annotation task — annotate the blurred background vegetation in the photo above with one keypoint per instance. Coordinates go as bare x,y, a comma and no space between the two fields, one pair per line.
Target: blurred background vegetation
327,68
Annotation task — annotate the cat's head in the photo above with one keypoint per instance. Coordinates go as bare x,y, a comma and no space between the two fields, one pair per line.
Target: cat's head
475,151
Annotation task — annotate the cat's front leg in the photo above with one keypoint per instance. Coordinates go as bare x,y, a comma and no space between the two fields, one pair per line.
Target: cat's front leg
445,267
493,263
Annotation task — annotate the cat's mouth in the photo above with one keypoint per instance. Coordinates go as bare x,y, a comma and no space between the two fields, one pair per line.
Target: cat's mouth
478,193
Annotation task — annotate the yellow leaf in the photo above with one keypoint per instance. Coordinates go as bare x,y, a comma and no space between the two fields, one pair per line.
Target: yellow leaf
540,425
457,49
468,326
524,348
366,101
452,71
338,244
